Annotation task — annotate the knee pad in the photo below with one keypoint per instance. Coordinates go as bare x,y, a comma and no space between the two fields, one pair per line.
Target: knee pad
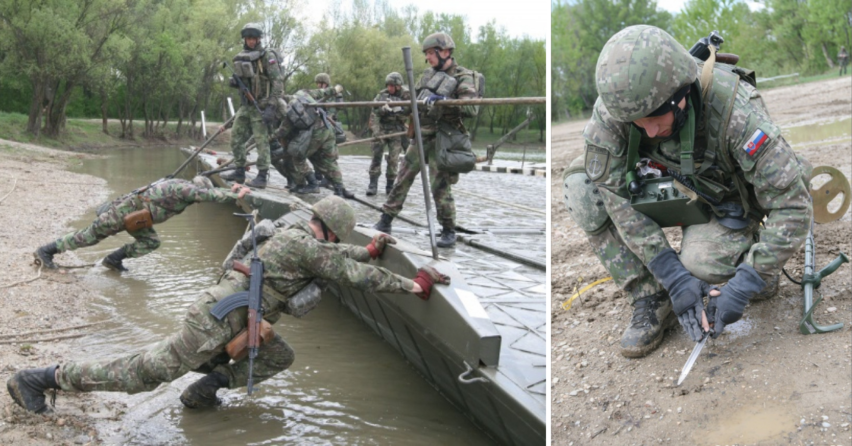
583,200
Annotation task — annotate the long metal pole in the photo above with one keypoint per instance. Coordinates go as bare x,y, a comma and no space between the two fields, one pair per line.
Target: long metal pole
209,140
427,195
443,103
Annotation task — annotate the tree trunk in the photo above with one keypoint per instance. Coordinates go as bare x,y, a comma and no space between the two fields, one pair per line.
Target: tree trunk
827,57
36,108
104,109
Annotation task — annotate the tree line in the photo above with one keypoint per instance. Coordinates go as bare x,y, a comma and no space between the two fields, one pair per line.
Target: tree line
784,36
149,63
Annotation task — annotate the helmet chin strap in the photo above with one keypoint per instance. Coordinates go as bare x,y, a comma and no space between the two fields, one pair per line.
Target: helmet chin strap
325,232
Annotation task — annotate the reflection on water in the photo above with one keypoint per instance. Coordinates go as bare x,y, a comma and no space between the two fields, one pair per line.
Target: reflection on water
346,386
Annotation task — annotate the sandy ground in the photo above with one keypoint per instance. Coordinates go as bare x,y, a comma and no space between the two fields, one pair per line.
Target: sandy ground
38,198
763,383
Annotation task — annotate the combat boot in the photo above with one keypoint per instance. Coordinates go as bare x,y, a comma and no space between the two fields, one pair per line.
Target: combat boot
27,388
384,224
202,393
447,238
322,180
309,188
260,181
44,255
238,175
652,315
341,191
769,291
374,186
113,261
389,186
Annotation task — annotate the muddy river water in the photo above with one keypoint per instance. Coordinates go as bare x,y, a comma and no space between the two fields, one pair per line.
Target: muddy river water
346,386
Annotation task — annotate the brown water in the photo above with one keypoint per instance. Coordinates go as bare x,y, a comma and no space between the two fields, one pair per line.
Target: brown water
346,386
821,133
748,425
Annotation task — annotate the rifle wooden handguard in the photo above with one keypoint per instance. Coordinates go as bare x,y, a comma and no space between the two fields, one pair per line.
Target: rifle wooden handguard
237,348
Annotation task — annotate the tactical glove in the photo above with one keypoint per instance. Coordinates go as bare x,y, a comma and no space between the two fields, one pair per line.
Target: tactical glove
378,244
433,98
426,277
268,115
728,307
686,291
387,110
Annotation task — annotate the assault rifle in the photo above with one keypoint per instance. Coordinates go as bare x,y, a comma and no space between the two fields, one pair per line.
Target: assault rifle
243,89
251,298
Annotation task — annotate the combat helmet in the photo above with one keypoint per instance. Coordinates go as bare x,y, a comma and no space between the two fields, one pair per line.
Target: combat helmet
322,77
640,68
252,29
336,214
438,40
394,79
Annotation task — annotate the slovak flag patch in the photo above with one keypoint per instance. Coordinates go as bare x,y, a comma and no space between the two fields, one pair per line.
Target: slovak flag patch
755,142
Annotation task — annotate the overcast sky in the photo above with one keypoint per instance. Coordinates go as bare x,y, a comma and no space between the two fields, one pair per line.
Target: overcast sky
531,18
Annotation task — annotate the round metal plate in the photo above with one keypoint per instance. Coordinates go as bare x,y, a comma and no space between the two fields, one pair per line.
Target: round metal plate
838,184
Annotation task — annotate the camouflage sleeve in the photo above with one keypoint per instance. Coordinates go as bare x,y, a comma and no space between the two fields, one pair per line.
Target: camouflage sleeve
375,116
273,71
356,253
770,165
196,194
405,95
284,129
466,90
322,93
330,262
606,165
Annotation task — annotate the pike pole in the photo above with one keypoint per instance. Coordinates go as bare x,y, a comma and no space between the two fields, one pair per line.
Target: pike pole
427,195
442,103
375,138
197,151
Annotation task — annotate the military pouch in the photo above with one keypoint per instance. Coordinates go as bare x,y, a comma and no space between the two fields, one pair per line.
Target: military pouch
297,147
339,134
301,116
454,154
662,202
243,69
237,348
304,300
437,80
137,220
447,87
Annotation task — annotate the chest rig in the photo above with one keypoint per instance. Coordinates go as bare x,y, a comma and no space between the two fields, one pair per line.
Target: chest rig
249,66
700,177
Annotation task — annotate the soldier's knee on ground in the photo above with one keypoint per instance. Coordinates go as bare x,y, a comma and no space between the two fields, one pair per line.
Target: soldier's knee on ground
583,200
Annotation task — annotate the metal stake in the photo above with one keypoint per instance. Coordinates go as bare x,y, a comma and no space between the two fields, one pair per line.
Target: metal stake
427,194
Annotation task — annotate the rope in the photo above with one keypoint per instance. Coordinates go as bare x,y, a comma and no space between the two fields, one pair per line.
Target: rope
567,304
53,330
25,281
33,341
13,188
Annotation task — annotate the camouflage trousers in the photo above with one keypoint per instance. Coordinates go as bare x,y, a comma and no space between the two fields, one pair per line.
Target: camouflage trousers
394,146
198,346
107,224
323,154
247,123
441,183
710,251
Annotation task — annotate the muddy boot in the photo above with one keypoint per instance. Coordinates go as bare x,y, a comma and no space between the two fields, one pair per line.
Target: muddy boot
260,181
652,315
202,393
113,261
322,180
448,238
769,291
238,175
389,186
27,388
44,255
384,224
373,187
309,188
341,191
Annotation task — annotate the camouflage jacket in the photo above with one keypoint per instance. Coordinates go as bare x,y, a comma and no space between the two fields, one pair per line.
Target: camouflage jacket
287,130
327,94
775,178
267,82
383,122
171,197
293,257
466,89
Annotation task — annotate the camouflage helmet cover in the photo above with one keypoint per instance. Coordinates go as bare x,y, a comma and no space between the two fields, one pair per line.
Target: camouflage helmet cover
252,29
394,79
438,40
639,68
337,215
322,77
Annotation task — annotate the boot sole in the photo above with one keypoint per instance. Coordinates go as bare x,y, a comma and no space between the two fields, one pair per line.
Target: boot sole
639,352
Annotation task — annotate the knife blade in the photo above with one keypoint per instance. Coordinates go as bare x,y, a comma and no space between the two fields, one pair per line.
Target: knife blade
691,361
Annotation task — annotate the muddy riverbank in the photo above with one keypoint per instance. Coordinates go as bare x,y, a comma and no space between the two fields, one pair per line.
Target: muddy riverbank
764,383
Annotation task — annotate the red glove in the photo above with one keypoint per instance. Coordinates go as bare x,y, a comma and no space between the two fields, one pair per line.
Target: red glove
377,245
426,277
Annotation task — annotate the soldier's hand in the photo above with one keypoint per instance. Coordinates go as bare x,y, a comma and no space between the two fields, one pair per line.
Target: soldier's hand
426,277
268,115
339,89
386,109
243,191
434,98
377,246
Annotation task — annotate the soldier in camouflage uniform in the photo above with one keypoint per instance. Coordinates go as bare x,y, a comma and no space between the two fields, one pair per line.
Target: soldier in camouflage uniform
163,200
383,121
293,257
843,60
438,48
258,69
650,93
319,146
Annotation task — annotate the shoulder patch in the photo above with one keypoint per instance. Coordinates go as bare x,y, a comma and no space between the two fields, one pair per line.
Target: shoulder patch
597,162
757,140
